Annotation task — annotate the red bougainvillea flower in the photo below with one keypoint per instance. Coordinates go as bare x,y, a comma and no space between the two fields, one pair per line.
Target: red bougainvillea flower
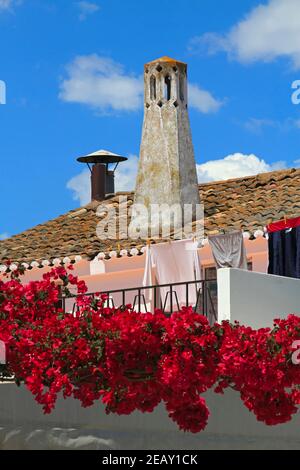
132,361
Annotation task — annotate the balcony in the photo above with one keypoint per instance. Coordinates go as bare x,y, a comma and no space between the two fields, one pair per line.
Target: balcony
170,298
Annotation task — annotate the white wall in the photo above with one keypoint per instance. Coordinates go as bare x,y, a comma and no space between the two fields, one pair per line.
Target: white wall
256,299
231,426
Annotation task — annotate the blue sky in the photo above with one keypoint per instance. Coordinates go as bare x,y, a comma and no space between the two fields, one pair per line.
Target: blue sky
73,75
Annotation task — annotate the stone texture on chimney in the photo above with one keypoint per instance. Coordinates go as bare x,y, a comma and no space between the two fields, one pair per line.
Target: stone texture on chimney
167,170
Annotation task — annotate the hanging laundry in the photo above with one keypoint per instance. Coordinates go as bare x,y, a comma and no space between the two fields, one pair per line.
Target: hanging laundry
229,250
283,224
148,281
173,262
284,248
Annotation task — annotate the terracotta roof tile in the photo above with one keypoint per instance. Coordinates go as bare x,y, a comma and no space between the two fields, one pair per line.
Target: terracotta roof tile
248,203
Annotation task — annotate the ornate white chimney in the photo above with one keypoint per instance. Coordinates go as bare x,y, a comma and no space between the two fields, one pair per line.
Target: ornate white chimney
167,170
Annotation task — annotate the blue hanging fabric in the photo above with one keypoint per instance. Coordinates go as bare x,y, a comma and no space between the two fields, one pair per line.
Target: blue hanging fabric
284,248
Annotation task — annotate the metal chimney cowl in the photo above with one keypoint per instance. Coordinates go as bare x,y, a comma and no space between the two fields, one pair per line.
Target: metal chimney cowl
102,178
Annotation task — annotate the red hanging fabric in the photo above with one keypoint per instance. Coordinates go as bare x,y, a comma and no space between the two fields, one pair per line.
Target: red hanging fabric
283,224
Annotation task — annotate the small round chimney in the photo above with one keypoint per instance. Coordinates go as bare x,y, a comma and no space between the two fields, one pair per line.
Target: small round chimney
102,173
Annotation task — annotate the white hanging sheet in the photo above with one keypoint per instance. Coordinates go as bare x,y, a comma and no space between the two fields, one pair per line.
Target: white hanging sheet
173,262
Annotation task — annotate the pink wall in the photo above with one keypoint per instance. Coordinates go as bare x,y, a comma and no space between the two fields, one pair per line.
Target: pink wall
113,281
128,272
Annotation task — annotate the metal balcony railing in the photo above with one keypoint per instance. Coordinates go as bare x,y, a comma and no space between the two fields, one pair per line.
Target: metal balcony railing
170,298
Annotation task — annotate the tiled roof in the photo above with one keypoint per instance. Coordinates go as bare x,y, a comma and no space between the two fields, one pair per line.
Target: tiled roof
248,203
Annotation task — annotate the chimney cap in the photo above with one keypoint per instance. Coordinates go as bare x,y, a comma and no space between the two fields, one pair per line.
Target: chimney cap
102,156
165,60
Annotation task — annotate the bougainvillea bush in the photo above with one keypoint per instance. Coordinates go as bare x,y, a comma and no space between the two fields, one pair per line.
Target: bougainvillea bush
132,361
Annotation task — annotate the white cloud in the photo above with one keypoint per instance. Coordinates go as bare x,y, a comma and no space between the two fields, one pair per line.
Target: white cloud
4,236
258,125
269,31
203,100
81,187
126,174
235,166
101,83
124,180
297,123
7,5
86,9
